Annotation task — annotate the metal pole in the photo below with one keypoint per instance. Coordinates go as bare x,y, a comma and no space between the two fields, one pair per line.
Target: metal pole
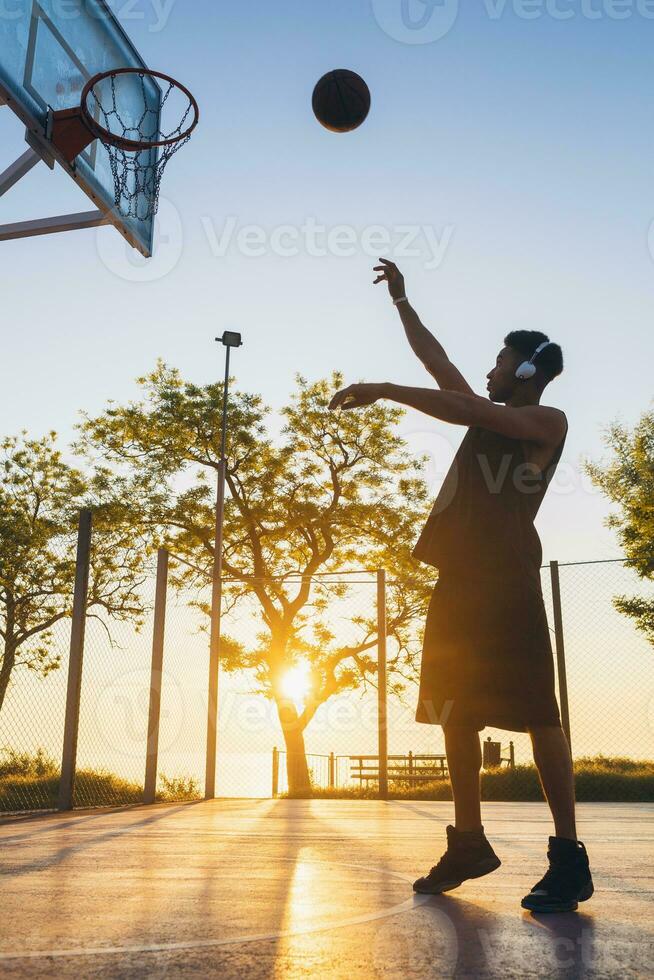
275,773
74,690
54,226
560,649
150,784
381,685
216,602
18,170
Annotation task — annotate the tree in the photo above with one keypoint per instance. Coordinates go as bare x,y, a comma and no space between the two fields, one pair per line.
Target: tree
628,482
40,500
337,491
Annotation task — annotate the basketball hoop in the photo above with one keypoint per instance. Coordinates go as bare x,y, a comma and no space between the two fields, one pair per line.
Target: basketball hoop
124,109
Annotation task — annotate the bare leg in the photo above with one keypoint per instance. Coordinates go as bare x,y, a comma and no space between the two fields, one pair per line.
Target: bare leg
464,763
554,764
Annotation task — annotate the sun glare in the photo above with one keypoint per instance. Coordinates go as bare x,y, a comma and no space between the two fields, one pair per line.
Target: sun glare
296,683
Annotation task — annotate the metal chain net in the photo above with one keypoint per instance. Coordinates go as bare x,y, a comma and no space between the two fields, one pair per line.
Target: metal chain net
137,174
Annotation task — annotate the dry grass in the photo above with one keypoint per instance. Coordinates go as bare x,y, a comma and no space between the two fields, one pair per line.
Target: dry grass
31,782
599,780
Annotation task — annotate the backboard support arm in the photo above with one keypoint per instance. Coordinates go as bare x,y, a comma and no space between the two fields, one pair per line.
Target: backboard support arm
18,169
53,226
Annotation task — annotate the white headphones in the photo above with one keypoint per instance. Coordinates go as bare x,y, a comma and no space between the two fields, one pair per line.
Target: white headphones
527,370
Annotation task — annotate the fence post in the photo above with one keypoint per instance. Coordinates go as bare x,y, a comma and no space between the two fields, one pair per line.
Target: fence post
332,771
150,784
381,685
560,649
275,772
74,689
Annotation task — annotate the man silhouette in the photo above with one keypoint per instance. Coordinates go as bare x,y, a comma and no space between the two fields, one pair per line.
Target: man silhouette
487,656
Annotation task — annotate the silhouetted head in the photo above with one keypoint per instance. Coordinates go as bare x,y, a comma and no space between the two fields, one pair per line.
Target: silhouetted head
520,346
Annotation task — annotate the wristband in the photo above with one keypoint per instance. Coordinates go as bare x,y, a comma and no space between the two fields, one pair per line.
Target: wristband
402,299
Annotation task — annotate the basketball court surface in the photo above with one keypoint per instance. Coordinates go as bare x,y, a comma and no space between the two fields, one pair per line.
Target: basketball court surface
292,888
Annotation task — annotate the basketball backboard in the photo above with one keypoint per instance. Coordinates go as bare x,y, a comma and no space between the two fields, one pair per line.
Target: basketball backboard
49,50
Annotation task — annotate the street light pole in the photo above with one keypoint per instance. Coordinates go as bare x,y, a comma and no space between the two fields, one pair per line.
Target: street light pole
229,340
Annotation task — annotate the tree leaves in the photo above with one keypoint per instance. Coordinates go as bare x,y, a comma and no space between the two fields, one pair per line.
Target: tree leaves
40,500
336,491
628,481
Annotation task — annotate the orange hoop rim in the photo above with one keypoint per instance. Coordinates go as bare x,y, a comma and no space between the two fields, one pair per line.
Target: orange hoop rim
120,142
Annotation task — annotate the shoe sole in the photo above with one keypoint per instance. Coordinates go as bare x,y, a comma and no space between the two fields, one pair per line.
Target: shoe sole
484,868
571,906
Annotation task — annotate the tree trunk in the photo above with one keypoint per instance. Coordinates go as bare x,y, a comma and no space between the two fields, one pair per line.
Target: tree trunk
11,645
297,769
6,667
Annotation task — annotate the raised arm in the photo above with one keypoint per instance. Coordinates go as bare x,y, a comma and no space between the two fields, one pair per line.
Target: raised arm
423,343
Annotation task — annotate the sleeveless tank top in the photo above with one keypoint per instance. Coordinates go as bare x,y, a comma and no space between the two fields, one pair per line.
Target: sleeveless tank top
483,520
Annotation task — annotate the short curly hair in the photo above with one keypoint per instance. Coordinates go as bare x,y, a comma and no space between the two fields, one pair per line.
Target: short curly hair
527,342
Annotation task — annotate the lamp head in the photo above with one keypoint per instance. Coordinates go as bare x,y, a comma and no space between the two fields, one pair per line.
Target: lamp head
230,339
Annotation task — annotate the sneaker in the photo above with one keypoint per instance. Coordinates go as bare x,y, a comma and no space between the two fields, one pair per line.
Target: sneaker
468,855
567,882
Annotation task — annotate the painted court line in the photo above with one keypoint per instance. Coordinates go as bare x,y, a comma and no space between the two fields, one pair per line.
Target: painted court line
411,903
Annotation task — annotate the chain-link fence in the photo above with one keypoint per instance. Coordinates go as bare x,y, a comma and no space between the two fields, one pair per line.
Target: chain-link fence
34,647
137,731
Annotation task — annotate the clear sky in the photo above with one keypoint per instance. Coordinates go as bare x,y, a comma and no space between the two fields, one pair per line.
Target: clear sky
516,149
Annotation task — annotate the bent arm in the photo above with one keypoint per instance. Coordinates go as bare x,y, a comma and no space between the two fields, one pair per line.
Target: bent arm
431,352
531,423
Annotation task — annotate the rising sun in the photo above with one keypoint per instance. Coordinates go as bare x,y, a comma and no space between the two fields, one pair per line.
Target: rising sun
296,683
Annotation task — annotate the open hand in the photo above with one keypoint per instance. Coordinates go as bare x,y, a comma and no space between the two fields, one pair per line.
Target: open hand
389,272
356,396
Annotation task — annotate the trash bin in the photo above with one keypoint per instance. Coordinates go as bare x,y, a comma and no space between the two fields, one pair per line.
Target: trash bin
492,754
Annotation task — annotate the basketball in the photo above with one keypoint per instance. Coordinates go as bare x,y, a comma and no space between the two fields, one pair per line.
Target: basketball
341,101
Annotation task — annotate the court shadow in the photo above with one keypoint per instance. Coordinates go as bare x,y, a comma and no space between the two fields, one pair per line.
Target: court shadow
428,814
489,943
570,937
91,841
480,936
38,824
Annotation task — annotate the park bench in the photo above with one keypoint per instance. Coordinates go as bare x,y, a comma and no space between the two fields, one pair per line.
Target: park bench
415,769
401,768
